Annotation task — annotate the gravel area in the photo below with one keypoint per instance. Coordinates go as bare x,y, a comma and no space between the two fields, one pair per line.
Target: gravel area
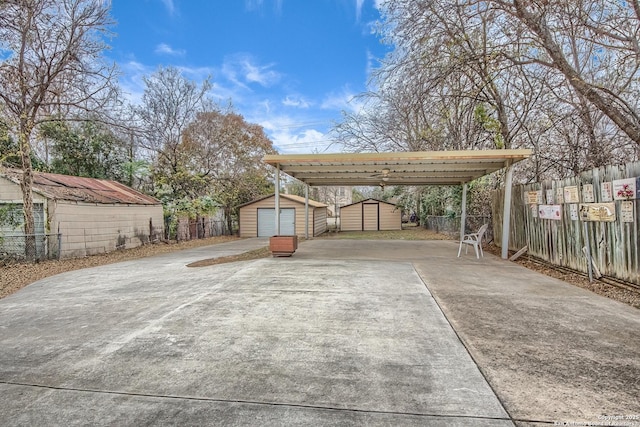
14,276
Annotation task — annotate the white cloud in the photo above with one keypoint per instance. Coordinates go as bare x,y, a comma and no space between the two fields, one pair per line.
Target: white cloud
296,101
170,6
165,49
295,134
289,141
262,75
359,4
131,81
243,70
253,5
373,62
342,101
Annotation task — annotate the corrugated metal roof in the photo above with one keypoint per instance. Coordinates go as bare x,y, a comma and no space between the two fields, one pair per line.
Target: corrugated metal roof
292,197
369,200
399,168
78,189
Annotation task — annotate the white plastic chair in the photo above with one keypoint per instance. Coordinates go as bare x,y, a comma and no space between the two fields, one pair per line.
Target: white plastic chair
475,240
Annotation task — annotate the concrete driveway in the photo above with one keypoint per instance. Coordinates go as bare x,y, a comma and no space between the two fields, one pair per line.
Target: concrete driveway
294,341
342,333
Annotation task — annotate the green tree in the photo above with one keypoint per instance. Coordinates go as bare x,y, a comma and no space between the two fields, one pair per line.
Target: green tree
10,151
88,149
226,152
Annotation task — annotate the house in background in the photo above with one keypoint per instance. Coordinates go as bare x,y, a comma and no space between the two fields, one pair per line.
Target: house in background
91,215
334,197
370,215
257,218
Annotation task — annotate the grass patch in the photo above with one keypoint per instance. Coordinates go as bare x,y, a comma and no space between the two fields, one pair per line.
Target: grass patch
408,233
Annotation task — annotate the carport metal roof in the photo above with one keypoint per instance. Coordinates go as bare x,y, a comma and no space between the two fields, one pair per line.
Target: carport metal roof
397,168
401,168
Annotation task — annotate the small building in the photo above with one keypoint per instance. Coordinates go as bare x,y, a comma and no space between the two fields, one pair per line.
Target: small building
370,215
91,215
257,218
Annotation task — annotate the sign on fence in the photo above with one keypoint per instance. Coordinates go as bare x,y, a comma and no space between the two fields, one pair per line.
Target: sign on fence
606,189
553,212
624,189
587,193
598,212
571,194
609,224
626,211
534,197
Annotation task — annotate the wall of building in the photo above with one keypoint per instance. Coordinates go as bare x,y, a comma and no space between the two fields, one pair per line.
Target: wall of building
319,220
249,217
390,217
377,216
10,192
351,217
89,228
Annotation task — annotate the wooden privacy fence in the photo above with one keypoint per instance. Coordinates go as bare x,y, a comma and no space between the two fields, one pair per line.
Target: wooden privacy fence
558,220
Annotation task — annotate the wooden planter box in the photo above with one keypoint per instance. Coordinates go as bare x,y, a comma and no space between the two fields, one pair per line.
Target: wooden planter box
283,245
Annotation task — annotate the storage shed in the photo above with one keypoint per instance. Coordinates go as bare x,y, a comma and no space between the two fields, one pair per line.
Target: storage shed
370,215
257,218
91,215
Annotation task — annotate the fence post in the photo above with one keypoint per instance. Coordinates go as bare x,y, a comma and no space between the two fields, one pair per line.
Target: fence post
506,216
463,214
586,238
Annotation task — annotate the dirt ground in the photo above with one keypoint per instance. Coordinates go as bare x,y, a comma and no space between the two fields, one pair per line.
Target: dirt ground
14,276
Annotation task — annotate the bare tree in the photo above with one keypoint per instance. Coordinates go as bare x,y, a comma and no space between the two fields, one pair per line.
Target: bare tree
559,77
169,104
613,27
51,65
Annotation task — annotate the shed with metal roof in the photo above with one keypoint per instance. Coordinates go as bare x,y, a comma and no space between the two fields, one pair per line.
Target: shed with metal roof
370,215
257,218
91,215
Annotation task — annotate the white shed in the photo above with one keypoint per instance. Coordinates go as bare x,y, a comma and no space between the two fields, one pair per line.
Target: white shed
370,215
257,218
91,215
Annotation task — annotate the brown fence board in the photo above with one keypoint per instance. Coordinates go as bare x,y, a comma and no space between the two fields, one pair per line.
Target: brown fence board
615,246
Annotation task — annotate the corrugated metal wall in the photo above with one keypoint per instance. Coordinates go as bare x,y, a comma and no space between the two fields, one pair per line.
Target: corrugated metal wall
370,215
351,217
249,216
615,246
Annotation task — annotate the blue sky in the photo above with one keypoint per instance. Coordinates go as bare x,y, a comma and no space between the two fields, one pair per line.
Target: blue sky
289,65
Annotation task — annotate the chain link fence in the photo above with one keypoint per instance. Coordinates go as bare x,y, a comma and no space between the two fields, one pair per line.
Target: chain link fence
30,247
451,225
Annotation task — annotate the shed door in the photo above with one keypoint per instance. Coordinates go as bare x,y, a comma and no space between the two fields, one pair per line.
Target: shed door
267,222
370,217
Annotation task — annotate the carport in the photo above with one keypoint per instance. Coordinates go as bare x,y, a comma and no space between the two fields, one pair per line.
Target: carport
401,168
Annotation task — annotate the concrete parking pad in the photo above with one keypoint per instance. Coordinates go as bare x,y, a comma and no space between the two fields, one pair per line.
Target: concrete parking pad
554,353
306,340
